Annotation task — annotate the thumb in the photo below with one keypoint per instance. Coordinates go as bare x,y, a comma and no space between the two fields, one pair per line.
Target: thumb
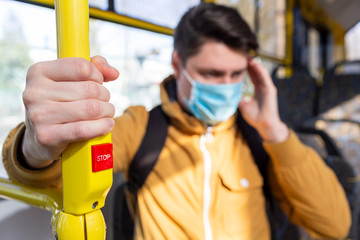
249,109
109,72
245,103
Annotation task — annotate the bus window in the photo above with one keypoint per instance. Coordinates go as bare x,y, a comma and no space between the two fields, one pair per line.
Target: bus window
246,8
267,19
162,12
271,27
101,4
352,43
313,52
142,64
24,40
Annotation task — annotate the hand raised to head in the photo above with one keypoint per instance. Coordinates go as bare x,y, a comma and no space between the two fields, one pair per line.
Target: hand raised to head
262,110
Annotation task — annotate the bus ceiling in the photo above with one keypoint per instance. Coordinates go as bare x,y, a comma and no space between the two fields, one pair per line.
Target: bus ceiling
345,13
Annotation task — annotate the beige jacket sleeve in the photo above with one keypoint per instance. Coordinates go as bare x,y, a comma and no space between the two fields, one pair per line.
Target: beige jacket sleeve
308,190
127,134
50,176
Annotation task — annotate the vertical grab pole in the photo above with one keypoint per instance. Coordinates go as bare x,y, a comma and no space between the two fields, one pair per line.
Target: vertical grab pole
87,165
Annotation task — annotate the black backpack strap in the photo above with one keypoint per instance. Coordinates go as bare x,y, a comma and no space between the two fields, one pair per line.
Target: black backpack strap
123,223
254,142
140,167
149,150
281,228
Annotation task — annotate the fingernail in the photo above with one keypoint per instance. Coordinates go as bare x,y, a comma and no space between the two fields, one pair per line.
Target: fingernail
106,65
111,122
258,60
247,98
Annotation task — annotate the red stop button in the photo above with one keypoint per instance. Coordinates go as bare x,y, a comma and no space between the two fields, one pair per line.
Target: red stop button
102,157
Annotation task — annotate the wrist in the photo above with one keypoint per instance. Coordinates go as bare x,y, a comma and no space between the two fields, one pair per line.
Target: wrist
28,155
275,132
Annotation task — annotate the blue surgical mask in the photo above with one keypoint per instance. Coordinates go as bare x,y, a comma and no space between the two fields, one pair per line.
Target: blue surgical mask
213,103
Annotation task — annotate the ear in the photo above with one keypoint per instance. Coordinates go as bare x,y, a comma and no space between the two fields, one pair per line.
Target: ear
176,64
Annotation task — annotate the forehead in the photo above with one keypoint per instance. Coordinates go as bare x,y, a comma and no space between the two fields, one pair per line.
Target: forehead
218,56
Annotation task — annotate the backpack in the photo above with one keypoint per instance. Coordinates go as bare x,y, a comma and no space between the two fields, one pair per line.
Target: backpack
146,157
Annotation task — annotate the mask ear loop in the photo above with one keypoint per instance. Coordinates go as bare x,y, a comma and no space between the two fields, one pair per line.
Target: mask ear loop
188,78
192,82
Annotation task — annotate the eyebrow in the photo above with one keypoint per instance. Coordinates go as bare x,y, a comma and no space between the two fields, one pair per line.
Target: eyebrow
218,72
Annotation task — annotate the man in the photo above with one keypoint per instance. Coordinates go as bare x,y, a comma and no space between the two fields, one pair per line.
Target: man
205,184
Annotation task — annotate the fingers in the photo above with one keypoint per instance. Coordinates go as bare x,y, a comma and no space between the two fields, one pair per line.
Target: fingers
69,79
52,113
74,69
249,109
66,69
259,75
62,134
85,130
73,91
109,73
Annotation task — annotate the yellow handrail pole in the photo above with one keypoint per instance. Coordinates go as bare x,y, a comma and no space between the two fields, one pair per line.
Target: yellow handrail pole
289,16
46,198
87,165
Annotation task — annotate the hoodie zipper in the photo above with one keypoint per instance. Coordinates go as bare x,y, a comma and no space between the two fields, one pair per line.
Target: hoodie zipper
207,137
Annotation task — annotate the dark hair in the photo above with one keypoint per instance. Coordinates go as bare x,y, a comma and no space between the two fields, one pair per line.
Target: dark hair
209,21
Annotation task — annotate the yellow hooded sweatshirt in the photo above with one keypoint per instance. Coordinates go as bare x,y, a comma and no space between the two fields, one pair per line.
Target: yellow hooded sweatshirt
206,185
